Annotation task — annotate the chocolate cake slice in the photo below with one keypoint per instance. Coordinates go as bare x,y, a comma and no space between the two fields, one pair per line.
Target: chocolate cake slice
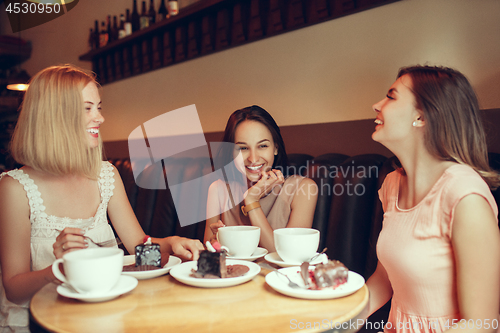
212,264
148,254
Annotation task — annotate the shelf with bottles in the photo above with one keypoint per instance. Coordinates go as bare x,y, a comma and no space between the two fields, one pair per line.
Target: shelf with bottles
202,28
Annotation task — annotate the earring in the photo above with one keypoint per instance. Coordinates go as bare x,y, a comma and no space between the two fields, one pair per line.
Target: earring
415,123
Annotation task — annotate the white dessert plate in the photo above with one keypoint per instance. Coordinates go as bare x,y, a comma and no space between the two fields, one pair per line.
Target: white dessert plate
259,253
124,285
130,259
280,283
275,259
183,271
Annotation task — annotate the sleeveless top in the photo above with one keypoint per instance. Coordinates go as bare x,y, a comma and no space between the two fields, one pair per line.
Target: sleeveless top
276,205
44,230
416,250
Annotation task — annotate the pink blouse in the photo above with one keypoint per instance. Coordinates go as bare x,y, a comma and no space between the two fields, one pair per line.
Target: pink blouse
415,248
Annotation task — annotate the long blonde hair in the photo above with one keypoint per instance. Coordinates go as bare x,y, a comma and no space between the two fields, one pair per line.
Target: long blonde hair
453,131
50,134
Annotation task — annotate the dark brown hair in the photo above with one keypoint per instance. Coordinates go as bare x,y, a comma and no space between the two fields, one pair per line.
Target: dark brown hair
256,113
449,106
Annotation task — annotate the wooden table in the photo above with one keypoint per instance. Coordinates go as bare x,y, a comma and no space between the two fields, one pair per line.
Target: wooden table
163,304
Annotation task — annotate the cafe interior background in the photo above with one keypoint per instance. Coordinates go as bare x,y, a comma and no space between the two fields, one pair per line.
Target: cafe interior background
318,82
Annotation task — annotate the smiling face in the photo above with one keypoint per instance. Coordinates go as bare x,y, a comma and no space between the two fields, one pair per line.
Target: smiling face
255,142
396,114
93,117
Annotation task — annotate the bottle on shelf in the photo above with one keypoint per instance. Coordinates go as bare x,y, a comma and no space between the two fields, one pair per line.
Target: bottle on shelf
109,30
114,29
103,36
97,36
163,11
128,24
91,40
173,7
135,18
121,30
144,16
152,12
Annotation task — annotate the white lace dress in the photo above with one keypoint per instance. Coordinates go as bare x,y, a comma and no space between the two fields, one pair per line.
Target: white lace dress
44,230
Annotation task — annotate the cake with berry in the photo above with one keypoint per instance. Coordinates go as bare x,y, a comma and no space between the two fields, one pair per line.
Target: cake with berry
212,264
148,254
327,275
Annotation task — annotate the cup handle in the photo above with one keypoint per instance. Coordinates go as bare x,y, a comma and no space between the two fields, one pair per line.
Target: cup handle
57,272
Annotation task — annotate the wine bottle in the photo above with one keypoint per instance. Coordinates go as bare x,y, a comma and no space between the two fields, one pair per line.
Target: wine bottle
144,16
91,40
103,36
97,36
135,19
152,12
109,30
121,30
114,29
128,24
173,7
163,11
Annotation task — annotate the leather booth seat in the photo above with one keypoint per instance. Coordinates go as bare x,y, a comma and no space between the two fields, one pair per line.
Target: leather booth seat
348,212
345,212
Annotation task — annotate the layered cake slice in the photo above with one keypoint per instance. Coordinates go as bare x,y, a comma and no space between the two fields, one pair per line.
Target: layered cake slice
147,257
212,264
328,275
148,254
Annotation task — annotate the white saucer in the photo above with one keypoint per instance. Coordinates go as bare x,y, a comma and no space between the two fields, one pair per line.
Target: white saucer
124,285
183,271
259,253
130,259
275,259
280,284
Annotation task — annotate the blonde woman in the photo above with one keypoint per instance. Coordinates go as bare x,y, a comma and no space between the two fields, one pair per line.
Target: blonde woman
64,191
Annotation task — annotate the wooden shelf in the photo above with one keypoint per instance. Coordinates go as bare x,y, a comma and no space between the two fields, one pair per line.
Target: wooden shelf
210,26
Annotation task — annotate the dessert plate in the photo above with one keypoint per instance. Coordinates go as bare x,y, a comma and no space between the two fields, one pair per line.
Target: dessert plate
275,259
259,253
280,284
142,275
124,285
183,271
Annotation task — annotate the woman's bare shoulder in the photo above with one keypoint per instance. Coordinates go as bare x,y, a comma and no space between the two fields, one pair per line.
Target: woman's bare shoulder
12,194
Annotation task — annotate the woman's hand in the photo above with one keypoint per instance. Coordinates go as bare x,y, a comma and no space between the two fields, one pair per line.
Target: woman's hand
185,248
214,227
264,186
70,239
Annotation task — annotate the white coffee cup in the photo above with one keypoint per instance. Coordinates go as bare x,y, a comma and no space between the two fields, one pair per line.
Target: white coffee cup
241,240
94,270
296,245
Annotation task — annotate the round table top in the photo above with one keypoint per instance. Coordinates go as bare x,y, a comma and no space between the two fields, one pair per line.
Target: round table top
166,304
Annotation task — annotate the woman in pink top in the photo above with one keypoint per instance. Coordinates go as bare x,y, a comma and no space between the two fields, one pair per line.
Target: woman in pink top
439,248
